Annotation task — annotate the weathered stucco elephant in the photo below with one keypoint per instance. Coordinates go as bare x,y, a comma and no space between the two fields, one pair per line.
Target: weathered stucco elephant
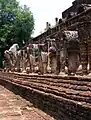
11,56
34,58
52,51
73,51
8,61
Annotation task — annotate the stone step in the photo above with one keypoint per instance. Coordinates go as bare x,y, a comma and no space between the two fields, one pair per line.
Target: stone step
63,97
74,92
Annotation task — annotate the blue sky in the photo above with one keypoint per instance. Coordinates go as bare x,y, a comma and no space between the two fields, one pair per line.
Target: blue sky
45,11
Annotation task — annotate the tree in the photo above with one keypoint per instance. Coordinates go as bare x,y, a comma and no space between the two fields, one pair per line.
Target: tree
16,23
24,25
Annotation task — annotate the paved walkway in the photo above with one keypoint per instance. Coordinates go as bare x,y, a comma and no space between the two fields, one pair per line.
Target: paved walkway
13,107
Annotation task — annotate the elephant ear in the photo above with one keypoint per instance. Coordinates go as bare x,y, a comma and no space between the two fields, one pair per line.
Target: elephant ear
71,35
72,40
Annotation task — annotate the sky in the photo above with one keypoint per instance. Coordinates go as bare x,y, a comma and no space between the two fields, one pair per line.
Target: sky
45,11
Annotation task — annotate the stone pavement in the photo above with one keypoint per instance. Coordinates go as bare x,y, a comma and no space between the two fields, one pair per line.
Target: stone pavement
13,107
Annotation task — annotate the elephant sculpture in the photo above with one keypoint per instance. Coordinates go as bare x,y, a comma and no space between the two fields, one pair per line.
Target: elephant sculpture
11,56
72,51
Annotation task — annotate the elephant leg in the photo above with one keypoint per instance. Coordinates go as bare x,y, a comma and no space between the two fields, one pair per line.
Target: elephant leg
73,62
44,61
54,65
18,64
14,62
40,65
63,59
30,69
62,65
21,64
89,55
24,67
45,68
58,64
9,65
32,63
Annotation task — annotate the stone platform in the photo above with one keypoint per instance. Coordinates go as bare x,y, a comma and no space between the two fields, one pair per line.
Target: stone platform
62,97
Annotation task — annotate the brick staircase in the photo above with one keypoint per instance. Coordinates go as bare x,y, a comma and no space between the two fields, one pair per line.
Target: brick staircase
64,98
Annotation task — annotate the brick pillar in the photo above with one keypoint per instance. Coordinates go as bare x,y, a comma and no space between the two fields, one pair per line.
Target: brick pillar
85,45
89,54
60,44
58,54
84,57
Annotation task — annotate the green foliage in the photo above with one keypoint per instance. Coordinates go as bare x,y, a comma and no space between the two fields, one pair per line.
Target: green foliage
16,23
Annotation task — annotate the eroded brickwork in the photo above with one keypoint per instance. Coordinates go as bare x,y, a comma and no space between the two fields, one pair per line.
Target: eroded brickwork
64,98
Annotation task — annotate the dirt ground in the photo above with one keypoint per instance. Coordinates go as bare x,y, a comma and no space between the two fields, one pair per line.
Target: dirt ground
13,107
